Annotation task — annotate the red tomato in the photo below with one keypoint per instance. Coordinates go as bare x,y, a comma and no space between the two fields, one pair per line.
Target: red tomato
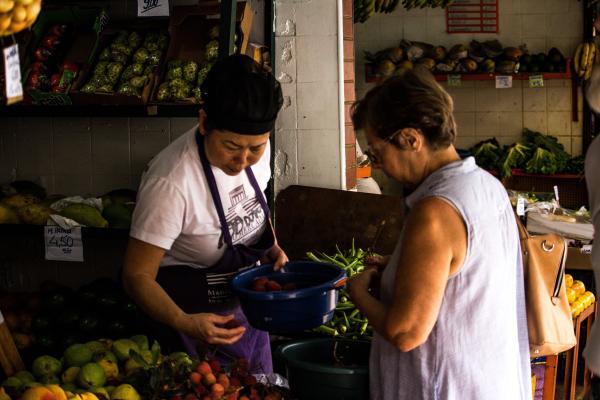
42,54
51,42
55,79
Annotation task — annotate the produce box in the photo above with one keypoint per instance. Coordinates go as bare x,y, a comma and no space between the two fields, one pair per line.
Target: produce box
577,258
124,52
63,42
192,28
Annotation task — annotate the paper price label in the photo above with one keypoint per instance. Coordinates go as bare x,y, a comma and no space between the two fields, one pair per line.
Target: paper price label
586,249
153,8
520,206
454,80
12,72
503,81
536,81
63,244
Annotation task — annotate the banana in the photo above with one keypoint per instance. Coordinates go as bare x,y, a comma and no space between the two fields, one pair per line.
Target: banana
576,58
590,62
584,57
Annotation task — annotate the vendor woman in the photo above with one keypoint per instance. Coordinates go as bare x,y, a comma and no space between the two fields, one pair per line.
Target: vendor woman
201,217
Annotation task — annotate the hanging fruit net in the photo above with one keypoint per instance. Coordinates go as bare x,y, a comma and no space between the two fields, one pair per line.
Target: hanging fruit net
16,15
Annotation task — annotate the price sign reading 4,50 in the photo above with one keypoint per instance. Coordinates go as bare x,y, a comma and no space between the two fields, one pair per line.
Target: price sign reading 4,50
153,8
63,244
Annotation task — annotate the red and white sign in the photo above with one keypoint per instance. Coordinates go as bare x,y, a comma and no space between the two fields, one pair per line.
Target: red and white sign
472,16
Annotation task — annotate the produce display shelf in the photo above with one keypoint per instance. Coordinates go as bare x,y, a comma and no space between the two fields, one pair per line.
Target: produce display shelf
167,110
24,230
370,77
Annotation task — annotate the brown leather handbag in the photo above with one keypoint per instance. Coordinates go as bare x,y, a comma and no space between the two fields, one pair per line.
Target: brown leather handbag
549,317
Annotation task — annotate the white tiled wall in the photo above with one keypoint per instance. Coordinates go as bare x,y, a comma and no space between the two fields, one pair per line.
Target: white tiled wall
86,156
481,110
307,132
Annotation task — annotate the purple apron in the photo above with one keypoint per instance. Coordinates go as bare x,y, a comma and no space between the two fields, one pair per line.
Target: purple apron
209,289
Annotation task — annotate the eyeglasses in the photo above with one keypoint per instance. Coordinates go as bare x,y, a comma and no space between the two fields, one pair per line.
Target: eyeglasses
374,159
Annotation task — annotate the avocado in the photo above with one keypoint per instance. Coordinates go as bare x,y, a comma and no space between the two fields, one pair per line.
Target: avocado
534,67
523,67
118,215
41,323
540,58
525,59
89,323
555,56
68,318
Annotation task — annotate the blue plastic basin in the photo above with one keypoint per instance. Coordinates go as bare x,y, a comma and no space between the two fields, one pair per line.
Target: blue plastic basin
310,305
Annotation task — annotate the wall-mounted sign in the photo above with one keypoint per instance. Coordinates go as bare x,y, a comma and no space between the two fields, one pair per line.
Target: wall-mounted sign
472,16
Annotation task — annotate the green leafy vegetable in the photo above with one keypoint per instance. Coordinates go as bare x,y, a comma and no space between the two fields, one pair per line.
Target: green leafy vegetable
516,157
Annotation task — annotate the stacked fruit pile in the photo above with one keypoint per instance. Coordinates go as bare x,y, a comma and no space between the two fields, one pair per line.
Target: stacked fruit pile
482,57
364,9
183,78
16,15
579,298
96,369
128,63
50,71
26,202
54,318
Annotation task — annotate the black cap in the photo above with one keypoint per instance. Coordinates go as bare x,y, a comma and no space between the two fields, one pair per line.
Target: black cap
241,97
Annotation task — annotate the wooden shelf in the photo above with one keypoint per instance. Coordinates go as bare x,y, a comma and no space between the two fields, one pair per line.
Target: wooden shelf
24,230
100,111
370,77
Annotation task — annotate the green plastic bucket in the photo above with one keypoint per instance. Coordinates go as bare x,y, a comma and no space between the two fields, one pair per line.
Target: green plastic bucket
321,369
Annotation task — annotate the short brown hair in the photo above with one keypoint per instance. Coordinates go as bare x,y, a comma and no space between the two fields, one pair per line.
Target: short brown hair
411,100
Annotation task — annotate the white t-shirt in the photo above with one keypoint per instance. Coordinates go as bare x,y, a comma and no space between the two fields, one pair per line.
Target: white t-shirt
175,209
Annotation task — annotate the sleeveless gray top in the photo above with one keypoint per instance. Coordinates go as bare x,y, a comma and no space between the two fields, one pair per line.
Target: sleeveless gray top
478,348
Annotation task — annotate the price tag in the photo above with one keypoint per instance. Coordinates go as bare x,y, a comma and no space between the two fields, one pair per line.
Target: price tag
586,249
12,69
536,81
153,8
63,244
503,81
454,80
520,206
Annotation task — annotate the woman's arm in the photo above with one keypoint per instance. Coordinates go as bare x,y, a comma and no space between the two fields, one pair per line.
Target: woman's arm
142,261
433,247
275,254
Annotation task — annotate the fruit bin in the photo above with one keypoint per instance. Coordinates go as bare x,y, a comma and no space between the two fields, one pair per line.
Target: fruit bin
310,305
572,189
189,31
76,45
327,368
97,97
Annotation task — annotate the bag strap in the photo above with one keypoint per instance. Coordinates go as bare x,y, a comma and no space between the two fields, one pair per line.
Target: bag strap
561,272
523,234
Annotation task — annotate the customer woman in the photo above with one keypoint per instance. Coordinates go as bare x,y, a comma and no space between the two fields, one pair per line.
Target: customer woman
450,321
201,217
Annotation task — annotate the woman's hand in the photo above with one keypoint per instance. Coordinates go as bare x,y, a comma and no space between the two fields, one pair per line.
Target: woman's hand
376,261
359,284
213,328
276,256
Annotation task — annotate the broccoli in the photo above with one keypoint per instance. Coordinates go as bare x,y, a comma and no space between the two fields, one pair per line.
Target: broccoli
542,162
516,157
550,143
488,154
575,165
